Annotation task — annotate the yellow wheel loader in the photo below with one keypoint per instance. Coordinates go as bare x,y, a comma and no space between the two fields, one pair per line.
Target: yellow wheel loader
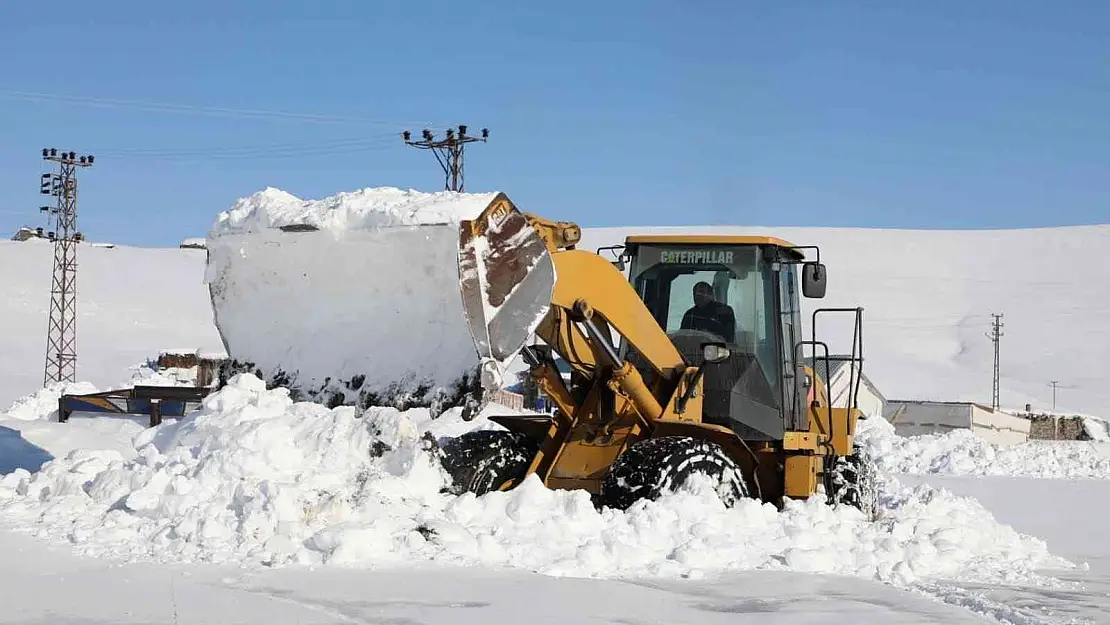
693,363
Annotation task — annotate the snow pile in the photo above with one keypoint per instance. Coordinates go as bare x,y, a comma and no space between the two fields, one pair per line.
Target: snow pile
365,311
255,478
362,209
43,404
1097,429
960,452
31,444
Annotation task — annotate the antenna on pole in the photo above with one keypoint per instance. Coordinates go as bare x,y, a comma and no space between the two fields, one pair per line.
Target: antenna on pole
995,335
448,151
61,335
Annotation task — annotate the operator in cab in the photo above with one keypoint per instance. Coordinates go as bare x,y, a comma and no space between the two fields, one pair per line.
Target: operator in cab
709,315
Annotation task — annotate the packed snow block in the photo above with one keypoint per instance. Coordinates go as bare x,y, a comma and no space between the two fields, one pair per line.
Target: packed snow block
351,300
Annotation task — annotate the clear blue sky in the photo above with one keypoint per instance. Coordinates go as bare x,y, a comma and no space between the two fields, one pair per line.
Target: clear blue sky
938,114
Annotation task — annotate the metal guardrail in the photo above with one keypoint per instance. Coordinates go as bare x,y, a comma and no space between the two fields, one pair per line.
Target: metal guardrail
155,402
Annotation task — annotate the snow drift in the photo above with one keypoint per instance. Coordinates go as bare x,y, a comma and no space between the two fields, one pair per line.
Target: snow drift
960,452
43,404
255,478
357,304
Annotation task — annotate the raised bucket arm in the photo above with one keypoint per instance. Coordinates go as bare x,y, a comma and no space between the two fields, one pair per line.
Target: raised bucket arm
519,275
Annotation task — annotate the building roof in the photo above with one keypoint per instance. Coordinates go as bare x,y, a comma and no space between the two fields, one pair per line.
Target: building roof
838,362
933,402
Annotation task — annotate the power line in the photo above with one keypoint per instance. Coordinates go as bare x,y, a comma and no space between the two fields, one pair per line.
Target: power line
61,334
252,153
995,335
191,109
336,143
448,152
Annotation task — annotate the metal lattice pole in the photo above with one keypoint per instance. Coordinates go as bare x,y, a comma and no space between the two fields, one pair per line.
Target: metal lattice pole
61,335
448,152
994,335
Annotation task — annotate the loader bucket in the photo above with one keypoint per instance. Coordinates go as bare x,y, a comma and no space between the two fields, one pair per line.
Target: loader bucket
372,315
506,277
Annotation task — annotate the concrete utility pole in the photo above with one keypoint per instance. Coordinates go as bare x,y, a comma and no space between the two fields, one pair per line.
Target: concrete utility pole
994,335
61,335
448,152
1054,383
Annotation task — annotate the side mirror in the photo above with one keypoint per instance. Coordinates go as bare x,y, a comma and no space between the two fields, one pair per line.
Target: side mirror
713,353
813,280
617,251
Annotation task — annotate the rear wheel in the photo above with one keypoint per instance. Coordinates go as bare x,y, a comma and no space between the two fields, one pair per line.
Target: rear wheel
655,466
480,462
851,481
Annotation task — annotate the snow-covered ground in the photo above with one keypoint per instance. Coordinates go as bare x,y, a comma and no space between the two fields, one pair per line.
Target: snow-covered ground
52,586
962,453
256,478
254,482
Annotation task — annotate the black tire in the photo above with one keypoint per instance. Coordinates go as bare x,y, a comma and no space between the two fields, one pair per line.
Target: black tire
851,482
655,466
480,462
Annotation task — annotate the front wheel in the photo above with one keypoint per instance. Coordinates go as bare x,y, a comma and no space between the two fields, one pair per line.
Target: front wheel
655,466
482,461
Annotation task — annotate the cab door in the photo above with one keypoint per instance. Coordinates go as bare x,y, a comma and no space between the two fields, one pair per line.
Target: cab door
794,387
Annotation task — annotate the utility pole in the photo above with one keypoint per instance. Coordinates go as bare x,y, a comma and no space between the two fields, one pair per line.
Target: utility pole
61,336
1054,383
448,152
994,335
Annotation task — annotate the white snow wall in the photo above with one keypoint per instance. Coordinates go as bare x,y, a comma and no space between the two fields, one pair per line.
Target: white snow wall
346,316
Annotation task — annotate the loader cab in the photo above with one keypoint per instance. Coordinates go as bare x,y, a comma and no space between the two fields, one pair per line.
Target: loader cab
755,282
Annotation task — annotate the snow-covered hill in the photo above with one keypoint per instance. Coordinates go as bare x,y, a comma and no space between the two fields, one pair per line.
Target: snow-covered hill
927,295
131,302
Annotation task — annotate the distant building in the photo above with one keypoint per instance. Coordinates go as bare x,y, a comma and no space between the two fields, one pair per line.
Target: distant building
844,373
25,234
197,367
196,243
914,417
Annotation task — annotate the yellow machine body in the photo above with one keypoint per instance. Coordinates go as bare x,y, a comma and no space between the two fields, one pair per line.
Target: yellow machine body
629,374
